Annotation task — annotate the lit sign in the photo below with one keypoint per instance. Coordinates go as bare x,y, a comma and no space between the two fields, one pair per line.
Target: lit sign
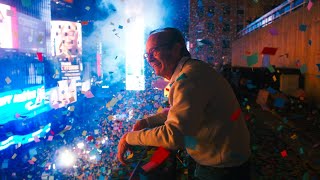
21,102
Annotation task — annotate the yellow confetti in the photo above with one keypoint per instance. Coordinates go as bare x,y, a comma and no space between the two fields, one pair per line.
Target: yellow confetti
248,107
160,110
84,133
34,159
274,78
130,156
294,136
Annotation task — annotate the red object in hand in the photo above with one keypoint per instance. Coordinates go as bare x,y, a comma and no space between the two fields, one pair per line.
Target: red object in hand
160,155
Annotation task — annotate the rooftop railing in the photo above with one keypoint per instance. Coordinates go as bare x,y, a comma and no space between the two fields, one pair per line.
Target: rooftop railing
283,9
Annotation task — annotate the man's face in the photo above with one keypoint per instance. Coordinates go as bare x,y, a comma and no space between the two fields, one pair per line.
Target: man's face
161,55
70,36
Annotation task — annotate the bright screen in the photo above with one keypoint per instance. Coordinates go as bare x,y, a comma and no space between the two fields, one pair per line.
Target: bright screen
66,39
66,42
8,27
31,34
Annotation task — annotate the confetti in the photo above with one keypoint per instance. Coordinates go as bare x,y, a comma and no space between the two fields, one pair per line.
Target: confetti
50,138
303,69
271,69
84,133
274,78
8,80
284,153
252,60
190,142
89,94
235,116
40,57
87,8
36,139
269,50
273,31
310,4
303,27
14,156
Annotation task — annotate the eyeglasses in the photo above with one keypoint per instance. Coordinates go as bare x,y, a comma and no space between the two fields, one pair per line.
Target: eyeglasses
149,55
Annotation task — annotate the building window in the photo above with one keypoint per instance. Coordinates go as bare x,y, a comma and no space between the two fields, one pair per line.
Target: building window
211,11
210,59
210,27
200,10
226,27
226,10
239,27
240,12
226,43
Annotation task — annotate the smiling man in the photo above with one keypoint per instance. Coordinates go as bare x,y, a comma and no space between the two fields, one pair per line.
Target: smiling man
203,117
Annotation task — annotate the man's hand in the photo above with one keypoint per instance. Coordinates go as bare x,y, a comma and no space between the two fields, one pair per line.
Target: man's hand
140,124
123,146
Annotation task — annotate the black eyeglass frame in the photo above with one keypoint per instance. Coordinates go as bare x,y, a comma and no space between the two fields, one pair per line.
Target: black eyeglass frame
149,55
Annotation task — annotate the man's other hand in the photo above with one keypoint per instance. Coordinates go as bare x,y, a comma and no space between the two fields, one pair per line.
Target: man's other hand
140,124
123,146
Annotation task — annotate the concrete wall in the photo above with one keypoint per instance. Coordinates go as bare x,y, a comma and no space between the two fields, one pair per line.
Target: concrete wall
291,41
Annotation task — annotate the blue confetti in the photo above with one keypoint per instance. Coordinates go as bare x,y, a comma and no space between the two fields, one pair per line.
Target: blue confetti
279,102
190,142
120,27
303,27
301,150
266,60
182,76
271,90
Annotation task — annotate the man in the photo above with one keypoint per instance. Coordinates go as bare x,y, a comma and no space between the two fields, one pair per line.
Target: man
202,117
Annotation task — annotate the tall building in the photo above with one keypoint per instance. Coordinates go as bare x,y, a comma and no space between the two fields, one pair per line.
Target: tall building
214,25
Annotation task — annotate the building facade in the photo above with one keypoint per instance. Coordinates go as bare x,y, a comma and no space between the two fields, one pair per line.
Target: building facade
214,25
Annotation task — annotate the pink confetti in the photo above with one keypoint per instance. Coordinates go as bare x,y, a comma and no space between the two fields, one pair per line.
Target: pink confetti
31,162
89,94
36,139
40,57
310,4
17,115
50,138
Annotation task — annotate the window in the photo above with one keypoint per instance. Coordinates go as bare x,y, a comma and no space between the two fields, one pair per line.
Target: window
210,27
200,10
239,27
210,59
226,10
211,11
225,43
240,11
226,27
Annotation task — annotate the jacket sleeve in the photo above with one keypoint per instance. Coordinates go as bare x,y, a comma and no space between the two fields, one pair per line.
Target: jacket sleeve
156,120
184,117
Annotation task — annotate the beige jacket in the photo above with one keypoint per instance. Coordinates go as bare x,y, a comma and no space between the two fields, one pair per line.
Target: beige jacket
202,103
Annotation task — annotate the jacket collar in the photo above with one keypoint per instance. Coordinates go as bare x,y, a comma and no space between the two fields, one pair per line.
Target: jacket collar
179,67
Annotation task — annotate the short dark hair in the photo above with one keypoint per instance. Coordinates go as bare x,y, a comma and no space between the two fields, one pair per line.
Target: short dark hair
175,36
